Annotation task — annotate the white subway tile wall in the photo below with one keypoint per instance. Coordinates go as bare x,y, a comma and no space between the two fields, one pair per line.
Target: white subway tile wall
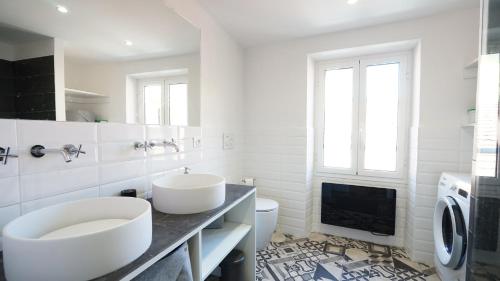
281,160
110,164
277,158
440,149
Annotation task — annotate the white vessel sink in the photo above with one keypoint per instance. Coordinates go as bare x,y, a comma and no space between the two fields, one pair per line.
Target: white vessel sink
79,240
189,193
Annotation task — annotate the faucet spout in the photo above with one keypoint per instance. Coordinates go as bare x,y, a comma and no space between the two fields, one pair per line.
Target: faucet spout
66,156
172,144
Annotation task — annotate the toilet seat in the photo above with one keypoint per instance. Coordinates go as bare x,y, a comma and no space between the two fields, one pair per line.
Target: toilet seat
265,205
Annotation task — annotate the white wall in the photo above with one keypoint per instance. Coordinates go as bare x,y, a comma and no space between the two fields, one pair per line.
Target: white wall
277,99
59,78
29,50
221,84
35,49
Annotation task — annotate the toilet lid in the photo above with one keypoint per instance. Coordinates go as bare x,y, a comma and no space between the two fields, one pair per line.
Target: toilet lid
264,205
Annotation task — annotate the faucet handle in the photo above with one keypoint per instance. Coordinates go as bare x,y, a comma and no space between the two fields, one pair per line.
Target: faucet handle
141,145
5,154
187,170
80,151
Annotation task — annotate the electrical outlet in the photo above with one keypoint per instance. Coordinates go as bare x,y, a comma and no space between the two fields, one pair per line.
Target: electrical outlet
228,142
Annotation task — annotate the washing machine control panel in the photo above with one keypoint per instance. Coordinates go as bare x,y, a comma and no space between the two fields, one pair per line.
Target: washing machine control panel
463,193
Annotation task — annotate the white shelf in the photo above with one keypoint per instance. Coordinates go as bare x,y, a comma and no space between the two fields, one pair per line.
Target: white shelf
82,94
217,243
471,125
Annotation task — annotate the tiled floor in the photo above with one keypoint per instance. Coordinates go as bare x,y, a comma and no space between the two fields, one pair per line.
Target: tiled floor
322,257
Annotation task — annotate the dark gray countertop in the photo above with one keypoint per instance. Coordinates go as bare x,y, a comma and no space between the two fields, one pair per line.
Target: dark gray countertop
169,229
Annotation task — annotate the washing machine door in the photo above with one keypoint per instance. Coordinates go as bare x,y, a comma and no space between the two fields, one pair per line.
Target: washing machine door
450,233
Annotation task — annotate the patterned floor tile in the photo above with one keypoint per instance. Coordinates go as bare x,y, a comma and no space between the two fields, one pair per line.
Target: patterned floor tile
322,257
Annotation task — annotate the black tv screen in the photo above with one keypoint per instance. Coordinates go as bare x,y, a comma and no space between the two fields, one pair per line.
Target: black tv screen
360,207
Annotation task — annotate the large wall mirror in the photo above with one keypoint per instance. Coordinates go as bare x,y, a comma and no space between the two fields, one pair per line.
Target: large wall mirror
97,61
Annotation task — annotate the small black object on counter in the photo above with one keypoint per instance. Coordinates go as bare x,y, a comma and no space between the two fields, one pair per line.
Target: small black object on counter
129,193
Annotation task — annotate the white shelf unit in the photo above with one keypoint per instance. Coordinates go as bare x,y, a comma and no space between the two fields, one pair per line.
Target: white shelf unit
217,243
209,247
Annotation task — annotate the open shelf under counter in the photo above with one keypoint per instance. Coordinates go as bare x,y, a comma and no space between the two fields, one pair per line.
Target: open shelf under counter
217,243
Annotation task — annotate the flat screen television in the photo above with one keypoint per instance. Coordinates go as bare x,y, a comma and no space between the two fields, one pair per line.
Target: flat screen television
360,207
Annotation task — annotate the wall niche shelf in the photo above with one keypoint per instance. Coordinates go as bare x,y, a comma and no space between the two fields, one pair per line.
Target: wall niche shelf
80,96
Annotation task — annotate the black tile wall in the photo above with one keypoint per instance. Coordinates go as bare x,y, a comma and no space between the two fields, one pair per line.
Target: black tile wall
7,91
27,89
35,88
34,66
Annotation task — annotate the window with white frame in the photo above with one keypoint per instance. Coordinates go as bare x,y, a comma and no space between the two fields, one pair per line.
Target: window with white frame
163,101
361,115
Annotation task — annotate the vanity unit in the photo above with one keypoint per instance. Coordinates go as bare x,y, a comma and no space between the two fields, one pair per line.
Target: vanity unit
207,247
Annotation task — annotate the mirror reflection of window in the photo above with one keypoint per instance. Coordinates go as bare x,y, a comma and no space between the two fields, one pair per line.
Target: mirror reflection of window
178,104
165,101
152,104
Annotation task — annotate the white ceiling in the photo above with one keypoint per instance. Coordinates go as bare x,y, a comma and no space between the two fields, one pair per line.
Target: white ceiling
253,22
97,29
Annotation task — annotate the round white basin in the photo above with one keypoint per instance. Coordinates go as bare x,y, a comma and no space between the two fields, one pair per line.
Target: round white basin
79,240
189,193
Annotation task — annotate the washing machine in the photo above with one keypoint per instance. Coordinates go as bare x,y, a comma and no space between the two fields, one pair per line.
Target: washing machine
451,224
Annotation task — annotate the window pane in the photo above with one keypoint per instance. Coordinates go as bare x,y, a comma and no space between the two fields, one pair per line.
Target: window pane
178,104
381,132
338,118
152,104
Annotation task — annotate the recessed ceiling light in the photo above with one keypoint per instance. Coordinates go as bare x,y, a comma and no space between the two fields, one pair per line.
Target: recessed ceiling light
62,9
128,43
352,2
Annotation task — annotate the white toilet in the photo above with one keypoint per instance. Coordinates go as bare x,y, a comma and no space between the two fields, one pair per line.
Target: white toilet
266,219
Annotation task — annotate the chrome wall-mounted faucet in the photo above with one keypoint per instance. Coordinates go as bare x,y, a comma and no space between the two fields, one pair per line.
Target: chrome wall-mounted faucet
68,151
165,143
187,170
5,154
141,145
